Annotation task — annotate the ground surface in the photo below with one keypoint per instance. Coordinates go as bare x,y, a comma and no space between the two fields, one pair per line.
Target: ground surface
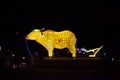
67,69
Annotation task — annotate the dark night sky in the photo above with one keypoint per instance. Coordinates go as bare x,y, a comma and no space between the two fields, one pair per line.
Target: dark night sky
93,22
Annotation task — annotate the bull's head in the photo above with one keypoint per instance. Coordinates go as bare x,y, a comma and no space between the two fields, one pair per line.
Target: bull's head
34,34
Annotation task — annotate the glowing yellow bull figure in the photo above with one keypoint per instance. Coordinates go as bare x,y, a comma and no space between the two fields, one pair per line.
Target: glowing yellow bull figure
51,39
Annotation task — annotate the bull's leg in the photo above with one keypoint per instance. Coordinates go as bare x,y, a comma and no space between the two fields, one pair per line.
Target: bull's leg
72,47
73,51
49,46
50,51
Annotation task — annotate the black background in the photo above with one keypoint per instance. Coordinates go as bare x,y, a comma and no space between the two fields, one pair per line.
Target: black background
94,22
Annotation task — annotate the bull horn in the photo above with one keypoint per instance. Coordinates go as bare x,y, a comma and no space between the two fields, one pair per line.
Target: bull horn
43,29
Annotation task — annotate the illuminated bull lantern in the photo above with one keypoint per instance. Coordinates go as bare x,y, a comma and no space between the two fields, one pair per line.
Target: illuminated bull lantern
51,39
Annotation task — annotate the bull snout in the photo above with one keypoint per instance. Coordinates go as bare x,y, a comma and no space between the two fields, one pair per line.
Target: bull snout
26,38
29,38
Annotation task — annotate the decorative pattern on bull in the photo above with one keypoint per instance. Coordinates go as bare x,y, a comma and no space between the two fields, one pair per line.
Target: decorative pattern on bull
51,39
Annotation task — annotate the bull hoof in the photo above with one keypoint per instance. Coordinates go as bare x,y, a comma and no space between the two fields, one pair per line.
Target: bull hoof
50,56
74,56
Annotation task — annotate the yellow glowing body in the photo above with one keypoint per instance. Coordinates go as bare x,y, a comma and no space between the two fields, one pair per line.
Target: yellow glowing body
52,39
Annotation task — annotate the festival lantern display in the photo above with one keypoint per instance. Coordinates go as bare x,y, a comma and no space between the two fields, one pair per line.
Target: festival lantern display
52,39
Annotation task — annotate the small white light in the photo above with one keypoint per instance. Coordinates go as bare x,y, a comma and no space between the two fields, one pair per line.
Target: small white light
23,57
83,49
104,53
13,55
113,59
